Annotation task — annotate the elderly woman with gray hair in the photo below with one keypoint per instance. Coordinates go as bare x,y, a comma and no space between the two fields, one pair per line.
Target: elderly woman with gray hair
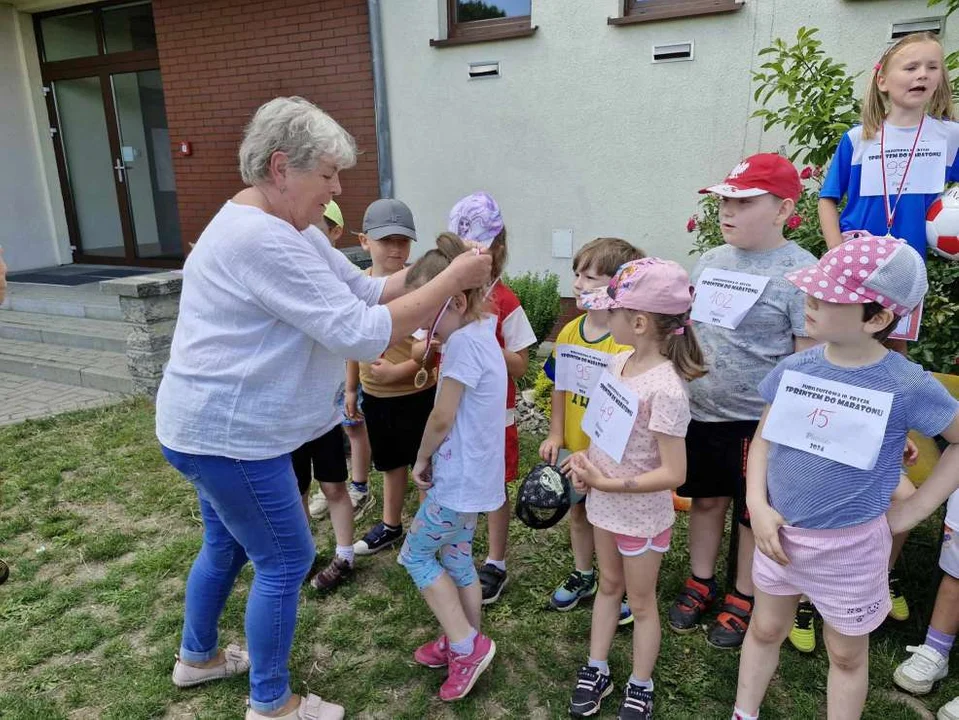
268,313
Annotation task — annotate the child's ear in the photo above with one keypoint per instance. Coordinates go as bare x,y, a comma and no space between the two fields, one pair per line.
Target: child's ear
364,241
459,302
786,208
641,323
880,321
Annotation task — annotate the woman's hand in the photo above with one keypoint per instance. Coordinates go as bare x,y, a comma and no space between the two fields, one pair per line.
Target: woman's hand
423,474
766,522
471,269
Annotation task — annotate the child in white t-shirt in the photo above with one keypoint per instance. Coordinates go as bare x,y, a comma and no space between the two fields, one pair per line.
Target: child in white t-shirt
453,467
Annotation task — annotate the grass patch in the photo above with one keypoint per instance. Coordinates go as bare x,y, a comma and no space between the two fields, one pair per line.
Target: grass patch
100,534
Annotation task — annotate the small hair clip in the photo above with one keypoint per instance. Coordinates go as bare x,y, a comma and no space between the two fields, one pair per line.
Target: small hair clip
680,330
877,67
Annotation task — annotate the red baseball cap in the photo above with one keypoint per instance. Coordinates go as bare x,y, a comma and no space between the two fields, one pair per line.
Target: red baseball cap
758,175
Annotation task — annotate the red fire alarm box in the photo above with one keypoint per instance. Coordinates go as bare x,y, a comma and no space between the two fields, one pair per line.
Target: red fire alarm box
186,148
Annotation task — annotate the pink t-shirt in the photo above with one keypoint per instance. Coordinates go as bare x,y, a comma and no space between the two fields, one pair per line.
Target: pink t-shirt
663,408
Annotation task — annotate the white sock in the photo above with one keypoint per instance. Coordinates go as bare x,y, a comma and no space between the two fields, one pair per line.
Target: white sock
345,552
644,684
498,564
743,715
601,665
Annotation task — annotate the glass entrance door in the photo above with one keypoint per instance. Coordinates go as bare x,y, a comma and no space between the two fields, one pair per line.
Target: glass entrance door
109,128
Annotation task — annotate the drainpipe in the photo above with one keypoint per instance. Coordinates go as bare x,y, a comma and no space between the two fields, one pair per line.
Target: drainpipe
380,104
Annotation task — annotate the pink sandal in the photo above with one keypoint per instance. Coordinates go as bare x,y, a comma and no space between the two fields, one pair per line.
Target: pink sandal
236,662
311,707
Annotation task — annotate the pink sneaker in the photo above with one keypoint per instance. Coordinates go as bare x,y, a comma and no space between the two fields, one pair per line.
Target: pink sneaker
466,669
434,654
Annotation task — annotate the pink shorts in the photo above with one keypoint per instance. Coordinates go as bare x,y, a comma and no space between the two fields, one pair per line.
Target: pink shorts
844,572
630,546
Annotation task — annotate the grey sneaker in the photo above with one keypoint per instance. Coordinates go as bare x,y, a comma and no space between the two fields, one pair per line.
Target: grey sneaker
361,499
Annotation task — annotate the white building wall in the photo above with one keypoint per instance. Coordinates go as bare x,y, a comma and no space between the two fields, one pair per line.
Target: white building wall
581,130
29,234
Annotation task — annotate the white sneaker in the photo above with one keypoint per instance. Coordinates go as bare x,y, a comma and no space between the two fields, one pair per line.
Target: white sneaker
361,500
949,711
318,505
920,672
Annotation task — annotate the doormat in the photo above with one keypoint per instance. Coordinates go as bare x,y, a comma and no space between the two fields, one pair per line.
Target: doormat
72,279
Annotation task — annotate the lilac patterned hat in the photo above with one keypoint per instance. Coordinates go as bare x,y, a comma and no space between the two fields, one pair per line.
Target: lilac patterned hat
476,217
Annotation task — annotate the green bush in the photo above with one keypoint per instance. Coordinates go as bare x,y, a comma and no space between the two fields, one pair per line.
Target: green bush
543,394
818,105
539,296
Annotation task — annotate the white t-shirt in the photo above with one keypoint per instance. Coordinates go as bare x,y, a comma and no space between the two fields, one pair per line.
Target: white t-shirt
267,317
468,472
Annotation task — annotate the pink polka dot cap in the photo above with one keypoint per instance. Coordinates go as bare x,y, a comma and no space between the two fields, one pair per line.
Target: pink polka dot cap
864,269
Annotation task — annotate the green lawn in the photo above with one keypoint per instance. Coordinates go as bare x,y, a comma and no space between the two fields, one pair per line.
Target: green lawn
100,534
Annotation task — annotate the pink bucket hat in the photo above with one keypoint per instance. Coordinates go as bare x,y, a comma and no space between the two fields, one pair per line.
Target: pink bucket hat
649,285
867,269
476,217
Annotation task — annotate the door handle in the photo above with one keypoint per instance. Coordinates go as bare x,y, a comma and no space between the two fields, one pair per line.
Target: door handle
120,168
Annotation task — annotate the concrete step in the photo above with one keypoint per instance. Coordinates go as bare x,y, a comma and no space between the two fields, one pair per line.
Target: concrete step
81,301
97,369
109,335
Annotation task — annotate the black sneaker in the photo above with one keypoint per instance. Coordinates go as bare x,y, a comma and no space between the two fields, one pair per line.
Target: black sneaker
493,580
637,704
688,608
729,630
591,687
378,538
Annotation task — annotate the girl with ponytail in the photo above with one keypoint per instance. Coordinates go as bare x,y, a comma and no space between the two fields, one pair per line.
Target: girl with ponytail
629,500
453,467
895,165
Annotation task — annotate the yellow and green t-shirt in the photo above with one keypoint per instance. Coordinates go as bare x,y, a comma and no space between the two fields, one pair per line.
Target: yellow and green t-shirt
574,439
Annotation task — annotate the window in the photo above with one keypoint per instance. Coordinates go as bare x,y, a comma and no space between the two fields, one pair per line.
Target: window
470,21
635,11
104,29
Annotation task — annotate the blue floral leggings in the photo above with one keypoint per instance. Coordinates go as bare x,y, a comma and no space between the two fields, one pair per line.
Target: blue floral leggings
439,539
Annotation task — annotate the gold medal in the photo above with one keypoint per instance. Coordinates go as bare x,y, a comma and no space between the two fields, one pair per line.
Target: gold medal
419,380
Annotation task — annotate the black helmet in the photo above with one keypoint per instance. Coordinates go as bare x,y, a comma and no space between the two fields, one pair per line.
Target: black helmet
543,497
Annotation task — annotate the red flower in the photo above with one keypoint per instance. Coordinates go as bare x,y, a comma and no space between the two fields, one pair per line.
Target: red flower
806,173
692,223
794,222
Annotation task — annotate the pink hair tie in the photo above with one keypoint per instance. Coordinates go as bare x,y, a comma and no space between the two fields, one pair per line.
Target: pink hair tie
877,67
679,331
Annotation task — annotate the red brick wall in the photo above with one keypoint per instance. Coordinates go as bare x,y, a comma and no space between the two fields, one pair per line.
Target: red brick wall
221,59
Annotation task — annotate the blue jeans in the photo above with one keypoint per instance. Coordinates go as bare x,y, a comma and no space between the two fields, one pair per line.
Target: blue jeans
251,510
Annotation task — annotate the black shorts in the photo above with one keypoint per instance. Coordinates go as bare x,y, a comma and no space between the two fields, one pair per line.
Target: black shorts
716,462
395,426
323,458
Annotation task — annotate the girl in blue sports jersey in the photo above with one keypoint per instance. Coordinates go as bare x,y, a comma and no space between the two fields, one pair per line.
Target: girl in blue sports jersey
894,165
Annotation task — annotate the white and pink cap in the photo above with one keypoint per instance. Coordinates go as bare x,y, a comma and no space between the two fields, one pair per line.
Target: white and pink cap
867,269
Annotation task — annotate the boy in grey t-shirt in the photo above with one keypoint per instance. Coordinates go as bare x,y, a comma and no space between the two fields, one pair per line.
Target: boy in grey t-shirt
747,318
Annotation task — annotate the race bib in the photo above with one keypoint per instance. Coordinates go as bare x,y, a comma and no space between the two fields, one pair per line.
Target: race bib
830,419
723,297
927,173
578,368
908,326
610,415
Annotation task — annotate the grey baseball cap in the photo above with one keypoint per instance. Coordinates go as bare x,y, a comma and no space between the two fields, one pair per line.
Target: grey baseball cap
388,217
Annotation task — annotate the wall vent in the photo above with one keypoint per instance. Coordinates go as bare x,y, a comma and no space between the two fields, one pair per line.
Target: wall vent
489,69
906,27
673,52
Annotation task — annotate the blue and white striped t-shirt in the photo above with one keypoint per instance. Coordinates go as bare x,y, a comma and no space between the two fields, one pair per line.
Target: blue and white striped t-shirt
814,492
